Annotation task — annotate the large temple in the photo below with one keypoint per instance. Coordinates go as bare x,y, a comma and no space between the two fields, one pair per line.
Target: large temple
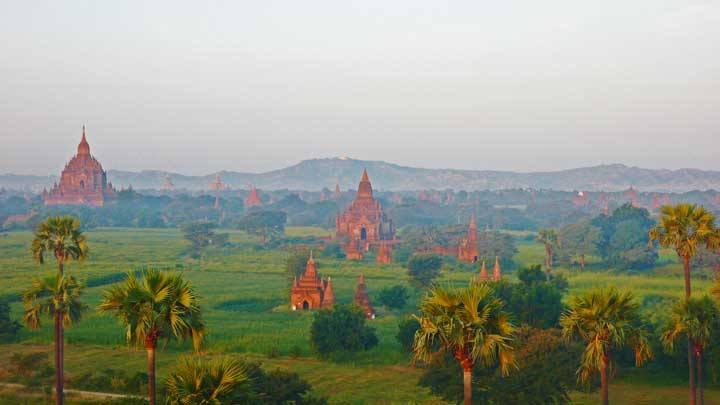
364,225
310,291
468,250
82,182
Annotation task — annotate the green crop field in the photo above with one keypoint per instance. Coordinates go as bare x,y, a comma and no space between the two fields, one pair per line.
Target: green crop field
244,292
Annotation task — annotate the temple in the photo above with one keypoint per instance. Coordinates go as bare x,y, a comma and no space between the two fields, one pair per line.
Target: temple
497,273
468,249
253,199
82,182
363,225
483,273
362,299
336,194
167,184
218,185
310,291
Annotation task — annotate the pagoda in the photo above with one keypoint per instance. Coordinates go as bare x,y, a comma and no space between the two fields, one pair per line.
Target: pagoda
363,223
336,194
167,184
310,292
483,273
82,182
362,299
253,199
497,273
218,185
468,249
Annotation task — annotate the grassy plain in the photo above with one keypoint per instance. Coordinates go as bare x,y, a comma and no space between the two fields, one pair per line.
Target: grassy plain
244,296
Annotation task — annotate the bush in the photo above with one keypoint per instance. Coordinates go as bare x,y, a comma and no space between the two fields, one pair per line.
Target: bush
423,269
393,297
406,333
341,330
8,327
295,351
333,251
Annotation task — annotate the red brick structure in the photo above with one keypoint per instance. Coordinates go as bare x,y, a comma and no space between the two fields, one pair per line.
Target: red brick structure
253,199
497,273
82,182
581,199
483,273
362,299
363,224
658,201
167,184
468,250
218,185
384,254
310,292
337,194
632,195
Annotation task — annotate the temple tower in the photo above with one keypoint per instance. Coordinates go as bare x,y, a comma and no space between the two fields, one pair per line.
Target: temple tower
362,299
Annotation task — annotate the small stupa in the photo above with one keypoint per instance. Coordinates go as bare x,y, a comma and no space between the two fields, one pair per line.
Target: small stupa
362,299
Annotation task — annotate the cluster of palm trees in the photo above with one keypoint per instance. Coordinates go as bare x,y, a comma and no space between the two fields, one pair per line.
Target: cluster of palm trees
158,306
471,323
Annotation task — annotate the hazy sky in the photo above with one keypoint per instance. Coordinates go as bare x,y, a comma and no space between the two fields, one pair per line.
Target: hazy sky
197,87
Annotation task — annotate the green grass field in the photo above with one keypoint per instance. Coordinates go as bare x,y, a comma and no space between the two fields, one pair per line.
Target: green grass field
245,301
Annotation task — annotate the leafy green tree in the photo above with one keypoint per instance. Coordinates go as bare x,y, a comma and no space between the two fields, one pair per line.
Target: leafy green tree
546,374
423,269
333,251
684,227
57,296
8,326
295,263
549,239
406,333
492,244
342,329
393,297
607,320
623,243
280,387
159,305
578,241
471,324
61,237
202,234
695,319
196,381
268,225
534,301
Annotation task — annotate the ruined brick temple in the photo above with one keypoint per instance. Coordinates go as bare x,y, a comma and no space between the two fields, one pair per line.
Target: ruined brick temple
82,182
363,225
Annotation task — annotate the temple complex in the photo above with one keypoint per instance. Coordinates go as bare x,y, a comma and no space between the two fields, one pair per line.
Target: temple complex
253,199
310,292
363,224
218,185
362,299
82,182
167,184
468,250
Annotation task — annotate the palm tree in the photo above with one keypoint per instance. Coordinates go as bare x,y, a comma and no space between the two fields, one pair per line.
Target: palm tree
58,296
549,239
471,324
695,318
199,382
607,320
159,305
683,227
62,237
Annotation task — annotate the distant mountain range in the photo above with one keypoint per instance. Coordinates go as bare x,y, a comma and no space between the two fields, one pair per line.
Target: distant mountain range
316,174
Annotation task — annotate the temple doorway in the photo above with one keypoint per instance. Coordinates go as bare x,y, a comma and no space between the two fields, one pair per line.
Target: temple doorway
82,183
306,306
363,234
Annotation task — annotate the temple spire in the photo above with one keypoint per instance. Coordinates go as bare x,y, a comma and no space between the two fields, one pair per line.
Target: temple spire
497,274
84,146
364,175
483,273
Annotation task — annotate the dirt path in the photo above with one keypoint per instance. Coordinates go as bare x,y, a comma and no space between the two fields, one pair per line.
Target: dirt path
86,394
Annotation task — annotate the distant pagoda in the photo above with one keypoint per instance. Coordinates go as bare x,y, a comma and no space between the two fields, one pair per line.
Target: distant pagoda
362,299
253,199
468,249
218,185
82,182
167,184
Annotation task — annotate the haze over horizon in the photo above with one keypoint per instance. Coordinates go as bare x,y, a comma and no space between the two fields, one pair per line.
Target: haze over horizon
195,89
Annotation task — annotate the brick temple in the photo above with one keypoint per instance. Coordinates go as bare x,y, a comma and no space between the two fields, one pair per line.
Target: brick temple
363,225
362,299
310,291
253,199
468,250
82,182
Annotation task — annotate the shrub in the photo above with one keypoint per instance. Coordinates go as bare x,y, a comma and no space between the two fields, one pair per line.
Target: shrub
393,297
406,333
423,269
341,330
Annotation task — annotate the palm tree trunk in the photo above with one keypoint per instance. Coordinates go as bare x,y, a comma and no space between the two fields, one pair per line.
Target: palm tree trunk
467,383
59,350
691,355
604,381
150,345
700,396
58,361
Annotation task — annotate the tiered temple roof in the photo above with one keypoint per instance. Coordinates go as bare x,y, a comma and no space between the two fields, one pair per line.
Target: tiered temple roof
310,292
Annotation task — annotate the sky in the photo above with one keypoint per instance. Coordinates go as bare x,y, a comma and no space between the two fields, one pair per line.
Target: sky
197,87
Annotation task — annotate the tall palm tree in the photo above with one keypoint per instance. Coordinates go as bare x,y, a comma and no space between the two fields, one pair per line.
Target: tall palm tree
199,382
61,237
471,324
549,239
683,227
607,320
159,305
695,318
58,296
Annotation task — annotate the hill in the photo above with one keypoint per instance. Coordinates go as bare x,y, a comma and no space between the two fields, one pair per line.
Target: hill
315,174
